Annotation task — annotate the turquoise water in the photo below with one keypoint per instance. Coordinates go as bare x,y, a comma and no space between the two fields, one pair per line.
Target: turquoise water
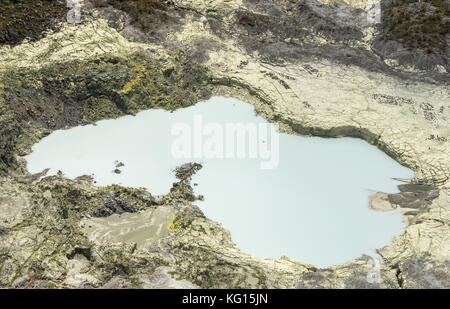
311,206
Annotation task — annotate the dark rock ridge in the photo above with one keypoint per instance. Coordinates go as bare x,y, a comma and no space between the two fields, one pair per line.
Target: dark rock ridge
114,205
415,33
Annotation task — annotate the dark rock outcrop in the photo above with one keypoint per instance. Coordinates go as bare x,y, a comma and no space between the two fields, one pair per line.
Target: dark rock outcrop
114,205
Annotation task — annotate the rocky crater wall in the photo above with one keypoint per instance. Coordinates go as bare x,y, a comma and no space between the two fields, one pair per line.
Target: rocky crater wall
329,76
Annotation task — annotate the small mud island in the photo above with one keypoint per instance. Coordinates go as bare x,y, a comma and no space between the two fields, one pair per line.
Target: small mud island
315,67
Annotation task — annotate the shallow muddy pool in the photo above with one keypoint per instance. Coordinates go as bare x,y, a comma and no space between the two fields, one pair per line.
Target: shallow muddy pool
303,197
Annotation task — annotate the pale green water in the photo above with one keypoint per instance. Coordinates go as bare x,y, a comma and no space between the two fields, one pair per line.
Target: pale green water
313,207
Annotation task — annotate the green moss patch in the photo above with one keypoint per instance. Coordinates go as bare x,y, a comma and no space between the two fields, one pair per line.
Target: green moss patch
417,24
28,19
82,92
9,132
